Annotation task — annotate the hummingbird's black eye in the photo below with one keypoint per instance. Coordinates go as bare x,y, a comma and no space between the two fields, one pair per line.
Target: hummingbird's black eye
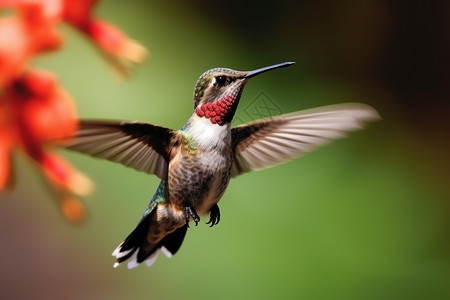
221,80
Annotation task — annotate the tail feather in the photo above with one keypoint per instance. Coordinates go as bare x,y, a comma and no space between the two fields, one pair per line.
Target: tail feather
128,247
169,245
137,249
172,242
152,258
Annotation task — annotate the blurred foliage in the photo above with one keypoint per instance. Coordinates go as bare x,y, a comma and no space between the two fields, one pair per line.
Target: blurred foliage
366,217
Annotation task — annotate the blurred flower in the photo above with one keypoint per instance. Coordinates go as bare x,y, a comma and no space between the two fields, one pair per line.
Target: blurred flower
19,41
34,113
36,32
34,110
120,51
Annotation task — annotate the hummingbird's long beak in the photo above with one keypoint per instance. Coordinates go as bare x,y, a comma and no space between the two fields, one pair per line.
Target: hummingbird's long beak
262,70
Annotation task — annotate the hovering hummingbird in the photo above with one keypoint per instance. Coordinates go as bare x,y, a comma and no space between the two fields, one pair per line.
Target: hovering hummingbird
195,163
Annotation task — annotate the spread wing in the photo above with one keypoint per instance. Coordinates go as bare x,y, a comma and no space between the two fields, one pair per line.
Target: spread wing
142,146
268,142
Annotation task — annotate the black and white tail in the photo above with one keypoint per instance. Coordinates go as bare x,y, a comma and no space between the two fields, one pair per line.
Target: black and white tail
137,249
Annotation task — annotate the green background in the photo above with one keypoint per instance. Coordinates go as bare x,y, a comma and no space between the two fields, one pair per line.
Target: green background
366,217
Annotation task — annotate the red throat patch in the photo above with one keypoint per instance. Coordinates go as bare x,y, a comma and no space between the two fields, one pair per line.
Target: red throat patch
216,111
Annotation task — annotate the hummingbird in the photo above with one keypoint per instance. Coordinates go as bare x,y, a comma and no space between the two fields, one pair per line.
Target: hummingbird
195,164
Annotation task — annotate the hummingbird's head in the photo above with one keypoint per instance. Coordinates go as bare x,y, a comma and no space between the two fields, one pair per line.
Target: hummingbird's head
217,92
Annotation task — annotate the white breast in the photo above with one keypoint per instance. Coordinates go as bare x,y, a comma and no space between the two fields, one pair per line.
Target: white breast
209,136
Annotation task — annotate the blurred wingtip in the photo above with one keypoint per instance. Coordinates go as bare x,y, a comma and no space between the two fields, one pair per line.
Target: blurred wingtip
366,112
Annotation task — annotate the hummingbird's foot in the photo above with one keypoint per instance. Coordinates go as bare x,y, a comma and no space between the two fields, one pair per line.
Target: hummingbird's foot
214,215
190,212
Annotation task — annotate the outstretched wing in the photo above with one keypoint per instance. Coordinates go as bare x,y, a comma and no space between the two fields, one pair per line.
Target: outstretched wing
142,146
268,142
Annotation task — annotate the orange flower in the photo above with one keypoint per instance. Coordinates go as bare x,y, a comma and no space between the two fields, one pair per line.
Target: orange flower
120,51
22,38
42,16
5,153
35,113
34,110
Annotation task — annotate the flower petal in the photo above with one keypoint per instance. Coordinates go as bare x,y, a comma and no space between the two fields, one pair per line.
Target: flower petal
5,160
63,175
73,209
120,51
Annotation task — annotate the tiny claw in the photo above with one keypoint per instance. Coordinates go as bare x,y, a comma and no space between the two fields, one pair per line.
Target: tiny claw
190,212
214,217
